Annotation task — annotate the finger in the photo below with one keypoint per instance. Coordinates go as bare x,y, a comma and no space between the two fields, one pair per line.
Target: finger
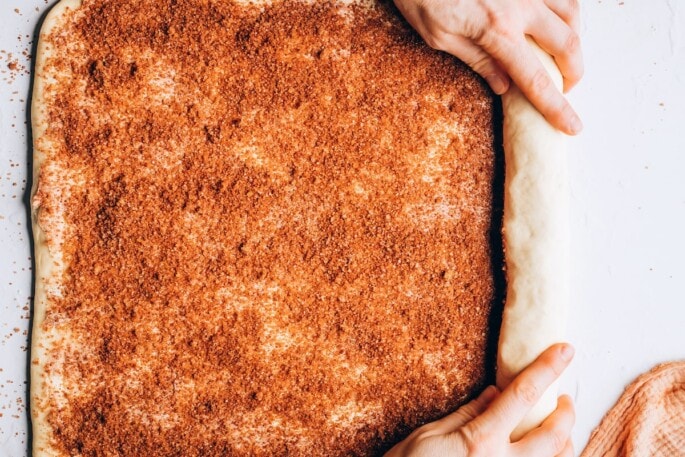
517,58
475,57
568,450
568,11
509,408
552,436
562,43
467,412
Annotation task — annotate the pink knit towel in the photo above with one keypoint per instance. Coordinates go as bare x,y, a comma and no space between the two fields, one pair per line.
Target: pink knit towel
648,420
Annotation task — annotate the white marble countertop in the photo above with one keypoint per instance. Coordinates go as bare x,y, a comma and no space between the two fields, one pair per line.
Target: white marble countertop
627,201
627,195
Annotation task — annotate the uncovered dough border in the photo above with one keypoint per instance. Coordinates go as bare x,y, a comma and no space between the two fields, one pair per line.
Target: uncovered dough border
47,261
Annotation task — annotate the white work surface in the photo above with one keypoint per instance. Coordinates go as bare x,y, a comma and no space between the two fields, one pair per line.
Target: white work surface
627,202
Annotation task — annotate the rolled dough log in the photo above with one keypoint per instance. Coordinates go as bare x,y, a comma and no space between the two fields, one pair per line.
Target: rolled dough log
535,230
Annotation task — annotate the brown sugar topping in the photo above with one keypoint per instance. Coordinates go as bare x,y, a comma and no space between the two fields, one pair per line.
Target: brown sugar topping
281,226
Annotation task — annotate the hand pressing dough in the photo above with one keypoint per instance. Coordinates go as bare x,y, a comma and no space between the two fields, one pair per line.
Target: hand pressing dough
535,227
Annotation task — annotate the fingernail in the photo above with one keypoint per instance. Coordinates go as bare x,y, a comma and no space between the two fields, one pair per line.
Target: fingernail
576,125
567,352
497,84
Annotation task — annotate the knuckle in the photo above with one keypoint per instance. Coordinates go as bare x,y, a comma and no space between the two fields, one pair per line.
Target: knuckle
568,9
566,110
433,42
482,66
473,440
572,45
526,392
497,27
561,115
498,19
540,82
558,440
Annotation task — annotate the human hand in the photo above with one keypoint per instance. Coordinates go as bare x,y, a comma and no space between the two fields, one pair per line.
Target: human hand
483,426
490,37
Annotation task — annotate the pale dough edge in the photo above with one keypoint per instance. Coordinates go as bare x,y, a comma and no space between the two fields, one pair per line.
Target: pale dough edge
44,260
535,228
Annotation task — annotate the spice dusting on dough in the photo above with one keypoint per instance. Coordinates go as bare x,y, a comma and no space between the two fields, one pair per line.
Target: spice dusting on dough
274,229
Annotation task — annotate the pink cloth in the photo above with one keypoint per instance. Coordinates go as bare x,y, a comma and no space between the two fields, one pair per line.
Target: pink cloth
648,420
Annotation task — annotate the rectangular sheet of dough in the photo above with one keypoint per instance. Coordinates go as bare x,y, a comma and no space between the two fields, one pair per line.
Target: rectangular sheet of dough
47,218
